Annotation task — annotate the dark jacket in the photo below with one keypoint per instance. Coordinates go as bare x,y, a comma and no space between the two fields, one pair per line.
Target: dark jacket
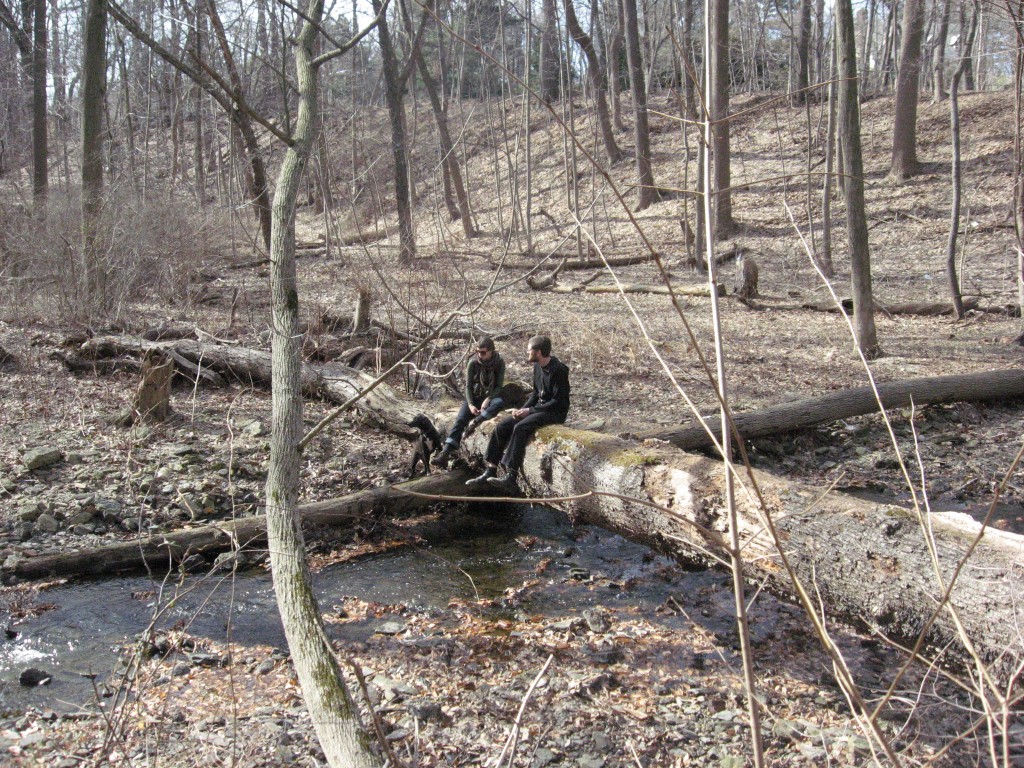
484,380
550,388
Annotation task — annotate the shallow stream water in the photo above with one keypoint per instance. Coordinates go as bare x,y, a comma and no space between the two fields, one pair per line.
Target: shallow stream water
489,553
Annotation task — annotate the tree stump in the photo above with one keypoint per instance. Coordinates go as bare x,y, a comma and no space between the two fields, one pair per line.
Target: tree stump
361,321
746,277
153,399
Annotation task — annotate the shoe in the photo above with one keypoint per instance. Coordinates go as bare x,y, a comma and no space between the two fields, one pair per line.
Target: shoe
471,427
442,459
506,483
488,474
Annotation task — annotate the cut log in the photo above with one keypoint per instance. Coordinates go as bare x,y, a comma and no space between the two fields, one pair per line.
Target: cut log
867,562
163,552
332,382
800,414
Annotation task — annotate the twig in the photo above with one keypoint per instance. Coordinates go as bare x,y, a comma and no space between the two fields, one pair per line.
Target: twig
513,737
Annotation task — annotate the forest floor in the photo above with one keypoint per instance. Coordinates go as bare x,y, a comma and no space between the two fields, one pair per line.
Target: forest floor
448,684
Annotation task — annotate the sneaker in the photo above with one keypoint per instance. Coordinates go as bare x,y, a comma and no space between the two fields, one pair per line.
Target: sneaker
506,483
471,427
488,474
442,459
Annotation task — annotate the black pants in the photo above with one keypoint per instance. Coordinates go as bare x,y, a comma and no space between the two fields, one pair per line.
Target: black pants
509,439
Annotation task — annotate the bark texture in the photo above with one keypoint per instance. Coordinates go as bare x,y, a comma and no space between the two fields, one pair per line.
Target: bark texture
868,562
334,715
853,180
94,86
800,414
597,80
904,131
648,192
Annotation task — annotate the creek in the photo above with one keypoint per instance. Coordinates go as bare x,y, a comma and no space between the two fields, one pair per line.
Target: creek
485,552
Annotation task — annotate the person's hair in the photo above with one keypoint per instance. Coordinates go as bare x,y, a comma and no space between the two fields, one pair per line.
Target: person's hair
540,343
486,343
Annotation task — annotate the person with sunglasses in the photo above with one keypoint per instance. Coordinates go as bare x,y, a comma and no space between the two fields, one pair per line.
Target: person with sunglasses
485,378
549,404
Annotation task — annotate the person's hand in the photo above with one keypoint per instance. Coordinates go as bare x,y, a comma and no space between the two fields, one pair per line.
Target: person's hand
474,410
520,413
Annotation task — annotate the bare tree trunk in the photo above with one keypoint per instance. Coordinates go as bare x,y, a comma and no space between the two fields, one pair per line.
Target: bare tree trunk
904,130
690,82
449,158
853,182
869,34
967,40
724,224
803,51
954,211
549,56
259,185
198,148
614,60
1016,10
332,711
40,153
825,258
597,81
648,191
393,88
939,55
94,86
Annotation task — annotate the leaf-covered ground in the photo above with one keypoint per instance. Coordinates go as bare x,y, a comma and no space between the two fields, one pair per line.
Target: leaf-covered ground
449,684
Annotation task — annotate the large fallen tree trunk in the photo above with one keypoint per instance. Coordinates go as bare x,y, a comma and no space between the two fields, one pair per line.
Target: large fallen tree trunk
332,382
800,414
867,562
162,552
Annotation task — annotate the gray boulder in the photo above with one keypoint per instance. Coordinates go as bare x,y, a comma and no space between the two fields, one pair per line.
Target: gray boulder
40,458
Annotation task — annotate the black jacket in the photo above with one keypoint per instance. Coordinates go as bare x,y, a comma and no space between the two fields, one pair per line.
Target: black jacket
484,380
550,388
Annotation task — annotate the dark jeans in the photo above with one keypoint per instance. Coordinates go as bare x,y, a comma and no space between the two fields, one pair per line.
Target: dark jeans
465,416
509,439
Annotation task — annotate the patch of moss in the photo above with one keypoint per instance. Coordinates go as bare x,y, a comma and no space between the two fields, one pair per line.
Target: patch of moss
614,451
632,458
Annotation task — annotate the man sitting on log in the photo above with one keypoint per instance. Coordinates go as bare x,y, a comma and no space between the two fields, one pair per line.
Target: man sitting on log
485,377
549,404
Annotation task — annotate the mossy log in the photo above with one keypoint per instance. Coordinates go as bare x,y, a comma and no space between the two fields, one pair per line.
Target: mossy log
868,563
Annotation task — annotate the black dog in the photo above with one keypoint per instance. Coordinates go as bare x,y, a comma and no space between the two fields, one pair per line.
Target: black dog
427,444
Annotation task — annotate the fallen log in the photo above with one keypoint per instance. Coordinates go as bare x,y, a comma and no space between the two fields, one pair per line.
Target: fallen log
800,414
332,382
573,262
920,309
868,563
678,290
162,552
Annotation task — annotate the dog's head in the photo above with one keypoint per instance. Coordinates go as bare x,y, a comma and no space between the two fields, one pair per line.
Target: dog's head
422,423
